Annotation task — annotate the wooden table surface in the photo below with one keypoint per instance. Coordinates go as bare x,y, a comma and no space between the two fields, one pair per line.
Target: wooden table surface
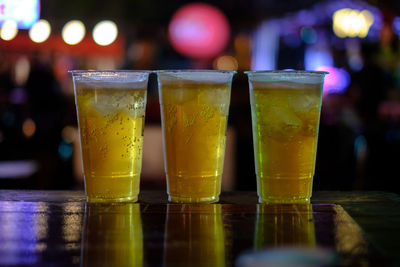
57,228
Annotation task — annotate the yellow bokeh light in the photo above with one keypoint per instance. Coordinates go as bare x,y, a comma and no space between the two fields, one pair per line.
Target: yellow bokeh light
73,32
105,32
29,128
369,20
8,30
338,16
352,23
225,63
40,31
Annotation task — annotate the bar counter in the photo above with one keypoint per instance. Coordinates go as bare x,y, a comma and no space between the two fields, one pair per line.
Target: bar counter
58,228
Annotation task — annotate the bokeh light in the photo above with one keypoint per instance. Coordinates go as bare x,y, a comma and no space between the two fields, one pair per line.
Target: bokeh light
225,63
73,32
336,81
29,128
308,35
199,30
352,23
65,150
8,30
356,62
315,57
69,134
266,46
40,31
396,25
22,69
18,96
353,52
105,32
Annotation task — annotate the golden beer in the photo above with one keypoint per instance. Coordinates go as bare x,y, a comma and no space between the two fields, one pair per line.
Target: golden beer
194,119
285,118
111,122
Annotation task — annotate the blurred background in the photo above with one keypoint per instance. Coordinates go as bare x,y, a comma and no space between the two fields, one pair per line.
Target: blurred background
356,41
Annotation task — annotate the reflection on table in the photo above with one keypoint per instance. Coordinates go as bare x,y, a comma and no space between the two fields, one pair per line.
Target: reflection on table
194,236
56,228
22,233
112,235
284,225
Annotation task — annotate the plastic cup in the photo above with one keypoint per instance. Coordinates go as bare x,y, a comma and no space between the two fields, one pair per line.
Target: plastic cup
194,112
111,108
285,108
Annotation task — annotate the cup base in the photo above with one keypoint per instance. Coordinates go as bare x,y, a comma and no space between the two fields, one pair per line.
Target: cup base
283,201
107,200
183,199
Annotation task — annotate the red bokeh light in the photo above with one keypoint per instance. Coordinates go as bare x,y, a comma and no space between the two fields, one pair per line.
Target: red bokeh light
199,31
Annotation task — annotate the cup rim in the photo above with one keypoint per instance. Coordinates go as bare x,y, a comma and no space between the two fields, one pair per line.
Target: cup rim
195,70
290,72
107,71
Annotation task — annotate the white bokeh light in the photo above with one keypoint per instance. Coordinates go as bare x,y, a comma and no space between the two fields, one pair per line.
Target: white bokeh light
40,31
73,32
9,30
352,23
105,32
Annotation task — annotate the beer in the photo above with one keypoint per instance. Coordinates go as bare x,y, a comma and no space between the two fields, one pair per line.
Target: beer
194,119
285,118
111,110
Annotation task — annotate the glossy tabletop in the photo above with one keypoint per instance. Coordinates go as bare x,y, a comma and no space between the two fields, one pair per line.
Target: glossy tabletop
57,228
